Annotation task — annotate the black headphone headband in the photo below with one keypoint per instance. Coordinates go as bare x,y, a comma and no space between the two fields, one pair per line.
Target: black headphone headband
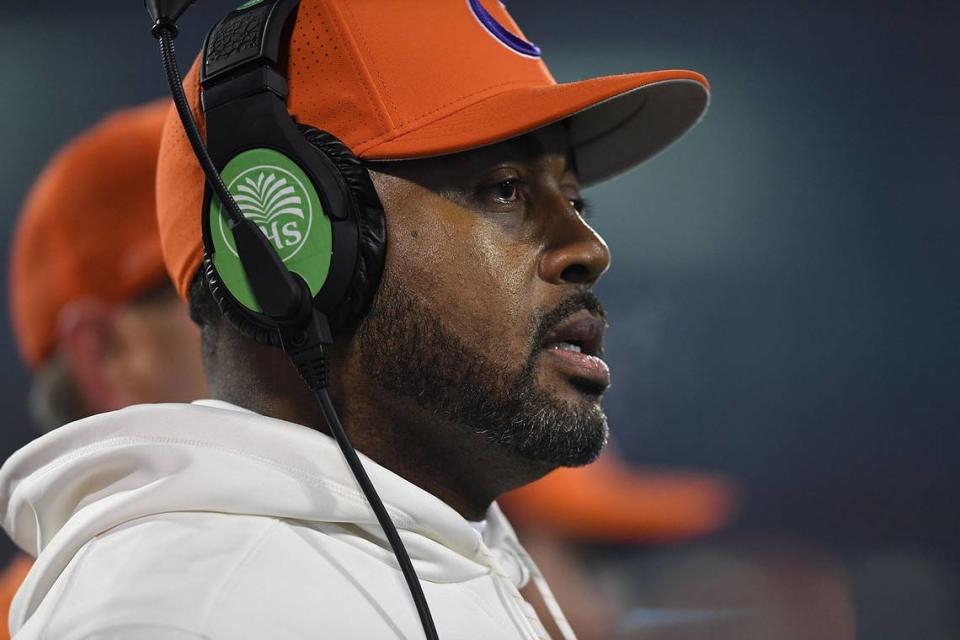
244,94
252,34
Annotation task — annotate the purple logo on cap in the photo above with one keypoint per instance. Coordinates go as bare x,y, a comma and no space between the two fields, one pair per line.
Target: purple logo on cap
501,33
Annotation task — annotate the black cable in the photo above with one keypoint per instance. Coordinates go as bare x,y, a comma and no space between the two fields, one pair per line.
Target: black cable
166,34
272,284
353,460
167,51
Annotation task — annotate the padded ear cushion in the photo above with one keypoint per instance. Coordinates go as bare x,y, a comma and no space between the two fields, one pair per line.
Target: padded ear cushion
233,313
371,228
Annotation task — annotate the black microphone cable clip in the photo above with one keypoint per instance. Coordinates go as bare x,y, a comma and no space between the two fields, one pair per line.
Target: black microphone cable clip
165,14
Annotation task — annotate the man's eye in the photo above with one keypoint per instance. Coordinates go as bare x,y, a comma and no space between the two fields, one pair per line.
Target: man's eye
507,191
581,206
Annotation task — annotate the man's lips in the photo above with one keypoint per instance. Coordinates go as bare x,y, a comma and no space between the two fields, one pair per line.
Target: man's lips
576,344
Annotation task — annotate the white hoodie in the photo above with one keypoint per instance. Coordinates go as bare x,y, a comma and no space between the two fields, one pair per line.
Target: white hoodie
210,521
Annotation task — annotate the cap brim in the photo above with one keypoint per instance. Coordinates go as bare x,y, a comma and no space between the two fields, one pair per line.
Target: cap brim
608,501
616,122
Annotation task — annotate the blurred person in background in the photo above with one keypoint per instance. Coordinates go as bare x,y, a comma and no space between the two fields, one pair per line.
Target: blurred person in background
96,318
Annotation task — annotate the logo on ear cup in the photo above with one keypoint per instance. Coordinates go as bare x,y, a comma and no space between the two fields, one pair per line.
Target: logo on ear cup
277,201
277,195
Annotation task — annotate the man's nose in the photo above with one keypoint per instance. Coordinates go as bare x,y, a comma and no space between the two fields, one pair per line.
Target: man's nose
575,253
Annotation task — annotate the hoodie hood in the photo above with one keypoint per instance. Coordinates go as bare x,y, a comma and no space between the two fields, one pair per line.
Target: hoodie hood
62,490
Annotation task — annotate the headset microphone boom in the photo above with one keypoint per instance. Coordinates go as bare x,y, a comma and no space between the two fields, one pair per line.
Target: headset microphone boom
286,301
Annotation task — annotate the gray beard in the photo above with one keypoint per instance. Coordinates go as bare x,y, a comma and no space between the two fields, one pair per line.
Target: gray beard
406,348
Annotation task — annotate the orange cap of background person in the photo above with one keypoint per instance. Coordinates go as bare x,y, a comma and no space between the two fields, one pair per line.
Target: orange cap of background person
609,501
397,79
88,227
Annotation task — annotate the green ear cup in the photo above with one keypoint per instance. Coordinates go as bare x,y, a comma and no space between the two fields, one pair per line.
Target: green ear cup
274,192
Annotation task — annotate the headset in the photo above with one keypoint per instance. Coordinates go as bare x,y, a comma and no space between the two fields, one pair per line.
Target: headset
293,229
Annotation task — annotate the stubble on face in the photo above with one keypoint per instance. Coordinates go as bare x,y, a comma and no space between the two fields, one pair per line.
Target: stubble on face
407,348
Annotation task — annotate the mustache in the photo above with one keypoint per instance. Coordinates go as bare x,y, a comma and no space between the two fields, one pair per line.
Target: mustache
577,302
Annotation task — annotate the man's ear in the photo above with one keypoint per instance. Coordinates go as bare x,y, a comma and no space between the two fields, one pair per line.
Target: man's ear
89,341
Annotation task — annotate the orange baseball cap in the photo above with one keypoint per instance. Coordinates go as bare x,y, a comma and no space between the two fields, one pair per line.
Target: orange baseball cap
88,227
397,79
610,501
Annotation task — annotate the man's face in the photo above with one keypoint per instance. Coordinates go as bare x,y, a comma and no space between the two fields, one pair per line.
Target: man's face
485,315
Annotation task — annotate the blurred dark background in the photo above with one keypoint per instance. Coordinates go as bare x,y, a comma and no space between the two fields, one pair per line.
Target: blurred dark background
785,292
